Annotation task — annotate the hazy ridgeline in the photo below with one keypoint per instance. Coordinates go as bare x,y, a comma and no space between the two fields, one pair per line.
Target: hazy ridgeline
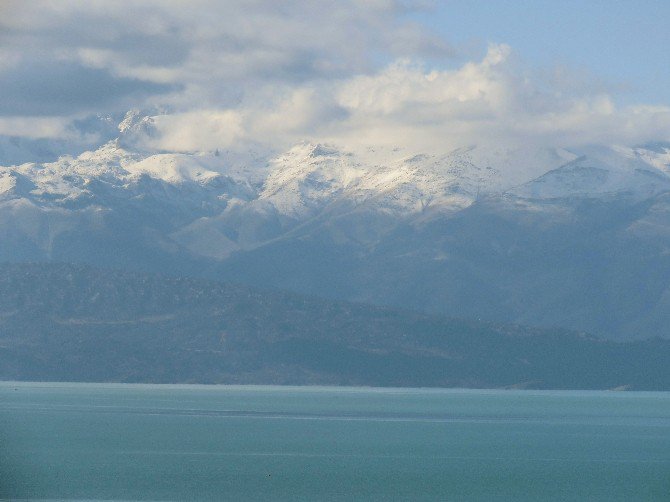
73,323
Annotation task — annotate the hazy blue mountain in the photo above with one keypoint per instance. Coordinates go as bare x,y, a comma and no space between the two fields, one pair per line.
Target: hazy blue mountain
599,265
537,236
64,322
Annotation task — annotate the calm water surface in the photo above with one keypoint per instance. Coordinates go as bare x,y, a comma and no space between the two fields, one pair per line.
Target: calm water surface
150,442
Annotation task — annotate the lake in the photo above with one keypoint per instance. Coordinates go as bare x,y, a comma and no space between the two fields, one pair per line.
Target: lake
183,442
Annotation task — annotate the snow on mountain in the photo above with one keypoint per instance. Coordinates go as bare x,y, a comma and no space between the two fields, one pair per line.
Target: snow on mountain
135,129
113,192
173,168
603,171
656,154
67,178
216,203
310,176
13,184
113,168
419,182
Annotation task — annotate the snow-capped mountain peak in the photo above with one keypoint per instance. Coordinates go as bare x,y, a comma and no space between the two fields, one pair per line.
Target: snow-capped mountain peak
308,175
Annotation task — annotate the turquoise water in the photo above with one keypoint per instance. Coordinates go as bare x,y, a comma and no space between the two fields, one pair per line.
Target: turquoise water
146,442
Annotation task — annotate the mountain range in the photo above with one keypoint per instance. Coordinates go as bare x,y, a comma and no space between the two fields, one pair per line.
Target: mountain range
546,237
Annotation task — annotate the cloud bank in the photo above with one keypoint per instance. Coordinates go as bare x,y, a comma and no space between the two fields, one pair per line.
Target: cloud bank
239,73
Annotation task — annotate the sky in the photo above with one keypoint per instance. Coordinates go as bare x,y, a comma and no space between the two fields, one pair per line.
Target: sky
418,74
623,44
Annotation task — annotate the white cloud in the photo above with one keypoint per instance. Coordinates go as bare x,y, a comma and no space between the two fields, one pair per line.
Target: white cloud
488,102
35,127
197,130
492,101
240,72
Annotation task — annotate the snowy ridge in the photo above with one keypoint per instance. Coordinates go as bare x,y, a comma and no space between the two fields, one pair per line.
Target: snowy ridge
112,167
603,171
311,175
308,177
215,203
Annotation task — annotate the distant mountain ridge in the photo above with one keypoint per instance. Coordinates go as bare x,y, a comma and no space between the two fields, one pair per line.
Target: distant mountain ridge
73,323
538,236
